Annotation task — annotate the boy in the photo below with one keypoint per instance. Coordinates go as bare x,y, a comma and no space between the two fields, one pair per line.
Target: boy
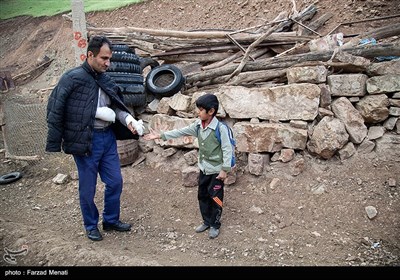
214,160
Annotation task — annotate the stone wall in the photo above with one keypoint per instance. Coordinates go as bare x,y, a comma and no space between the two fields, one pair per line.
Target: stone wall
316,110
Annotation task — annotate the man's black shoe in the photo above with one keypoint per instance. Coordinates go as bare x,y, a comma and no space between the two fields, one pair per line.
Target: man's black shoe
94,234
118,226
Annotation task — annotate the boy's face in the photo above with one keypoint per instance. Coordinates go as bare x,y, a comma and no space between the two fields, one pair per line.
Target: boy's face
204,115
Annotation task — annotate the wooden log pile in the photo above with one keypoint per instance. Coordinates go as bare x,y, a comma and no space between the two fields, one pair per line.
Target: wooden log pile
254,55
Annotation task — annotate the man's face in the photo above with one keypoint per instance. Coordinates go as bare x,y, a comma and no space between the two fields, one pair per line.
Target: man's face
100,62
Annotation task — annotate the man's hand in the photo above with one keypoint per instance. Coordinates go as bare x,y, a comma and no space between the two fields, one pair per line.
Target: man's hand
135,126
131,128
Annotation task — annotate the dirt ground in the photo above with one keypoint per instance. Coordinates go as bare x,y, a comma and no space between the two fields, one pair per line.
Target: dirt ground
290,224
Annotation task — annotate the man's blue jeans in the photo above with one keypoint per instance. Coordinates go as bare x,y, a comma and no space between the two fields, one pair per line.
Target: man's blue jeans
104,161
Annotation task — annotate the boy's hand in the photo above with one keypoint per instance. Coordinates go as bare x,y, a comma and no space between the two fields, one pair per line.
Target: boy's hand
152,135
222,175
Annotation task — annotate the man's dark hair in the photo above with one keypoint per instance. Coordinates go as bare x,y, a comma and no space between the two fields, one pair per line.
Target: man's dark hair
208,101
96,42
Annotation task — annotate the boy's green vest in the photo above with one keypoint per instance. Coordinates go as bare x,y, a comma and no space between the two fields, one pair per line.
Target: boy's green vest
210,150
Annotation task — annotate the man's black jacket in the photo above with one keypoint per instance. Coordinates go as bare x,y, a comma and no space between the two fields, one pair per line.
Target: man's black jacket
71,109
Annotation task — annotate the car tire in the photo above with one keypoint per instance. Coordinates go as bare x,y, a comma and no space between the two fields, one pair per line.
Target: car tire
127,78
134,100
125,57
10,177
122,48
164,80
148,61
116,66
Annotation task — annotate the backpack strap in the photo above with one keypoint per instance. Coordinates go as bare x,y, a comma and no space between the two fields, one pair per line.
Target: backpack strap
218,132
198,129
230,133
231,139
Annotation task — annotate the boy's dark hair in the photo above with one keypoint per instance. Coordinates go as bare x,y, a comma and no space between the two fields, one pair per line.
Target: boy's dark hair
208,101
96,42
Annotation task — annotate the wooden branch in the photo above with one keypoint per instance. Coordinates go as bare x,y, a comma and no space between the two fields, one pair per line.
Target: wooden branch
46,89
239,37
257,76
291,36
223,62
306,13
306,27
201,49
282,48
294,8
206,49
163,33
257,53
237,44
210,57
287,61
22,78
379,33
244,78
361,21
176,46
298,46
26,158
200,35
212,76
252,27
314,25
256,43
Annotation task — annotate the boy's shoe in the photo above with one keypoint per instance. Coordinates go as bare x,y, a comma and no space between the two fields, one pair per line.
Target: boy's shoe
214,232
202,228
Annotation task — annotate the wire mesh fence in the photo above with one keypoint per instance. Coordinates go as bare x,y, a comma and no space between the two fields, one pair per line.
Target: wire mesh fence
24,130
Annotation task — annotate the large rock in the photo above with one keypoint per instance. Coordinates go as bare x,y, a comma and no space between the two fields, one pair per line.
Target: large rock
296,101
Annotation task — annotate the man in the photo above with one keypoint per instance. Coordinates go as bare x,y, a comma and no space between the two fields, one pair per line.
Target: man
80,112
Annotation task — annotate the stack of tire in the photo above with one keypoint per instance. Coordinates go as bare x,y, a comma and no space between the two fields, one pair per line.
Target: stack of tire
126,71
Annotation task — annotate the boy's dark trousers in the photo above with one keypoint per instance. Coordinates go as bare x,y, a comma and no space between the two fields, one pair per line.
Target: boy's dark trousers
210,195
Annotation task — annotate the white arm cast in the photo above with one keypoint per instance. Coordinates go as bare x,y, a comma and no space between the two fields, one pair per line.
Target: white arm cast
105,114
